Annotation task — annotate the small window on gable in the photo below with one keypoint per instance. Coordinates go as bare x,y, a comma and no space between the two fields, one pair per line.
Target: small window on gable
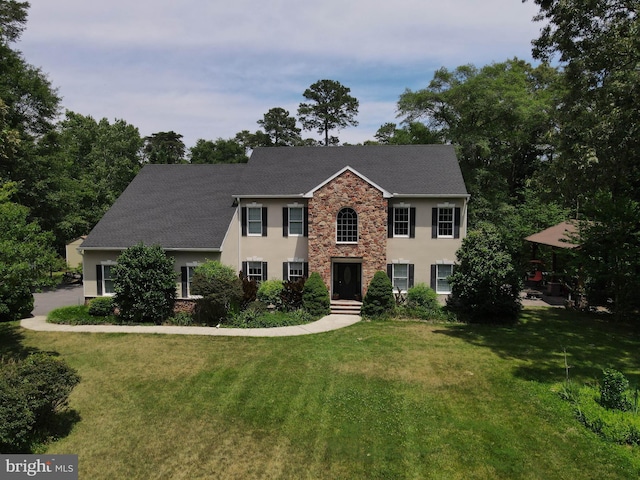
347,226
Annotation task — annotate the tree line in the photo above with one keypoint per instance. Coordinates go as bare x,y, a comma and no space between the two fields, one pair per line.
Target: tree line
537,144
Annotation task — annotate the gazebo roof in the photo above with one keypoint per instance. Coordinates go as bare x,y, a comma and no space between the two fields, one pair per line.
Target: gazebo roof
561,235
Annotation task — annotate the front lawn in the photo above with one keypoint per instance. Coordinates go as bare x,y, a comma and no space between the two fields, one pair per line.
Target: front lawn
375,400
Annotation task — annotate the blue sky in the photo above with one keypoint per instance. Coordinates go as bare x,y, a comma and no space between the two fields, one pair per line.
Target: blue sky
211,69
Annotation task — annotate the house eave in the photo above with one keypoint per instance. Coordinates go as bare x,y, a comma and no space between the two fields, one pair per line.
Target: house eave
431,195
166,249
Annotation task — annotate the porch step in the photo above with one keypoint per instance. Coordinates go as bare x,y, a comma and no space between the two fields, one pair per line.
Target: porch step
345,307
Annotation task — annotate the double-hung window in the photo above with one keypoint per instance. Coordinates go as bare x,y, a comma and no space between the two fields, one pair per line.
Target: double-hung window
105,279
295,271
401,221
443,272
400,276
296,221
187,277
445,222
254,221
347,226
255,271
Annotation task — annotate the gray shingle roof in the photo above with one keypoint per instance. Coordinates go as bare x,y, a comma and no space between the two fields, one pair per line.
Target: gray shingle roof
402,169
190,206
175,206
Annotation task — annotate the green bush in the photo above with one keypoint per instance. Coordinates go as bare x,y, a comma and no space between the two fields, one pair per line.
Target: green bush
101,307
221,291
144,282
485,285
613,425
180,319
379,302
32,392
613,389
315,296
270,293
420,295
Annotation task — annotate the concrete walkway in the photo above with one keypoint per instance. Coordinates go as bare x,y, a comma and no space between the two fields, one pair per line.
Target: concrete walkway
73,295
325,324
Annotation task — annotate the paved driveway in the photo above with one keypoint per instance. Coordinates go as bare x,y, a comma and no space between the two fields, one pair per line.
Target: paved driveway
60,297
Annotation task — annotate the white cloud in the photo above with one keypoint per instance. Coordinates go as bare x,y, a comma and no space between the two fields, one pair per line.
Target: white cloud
211,69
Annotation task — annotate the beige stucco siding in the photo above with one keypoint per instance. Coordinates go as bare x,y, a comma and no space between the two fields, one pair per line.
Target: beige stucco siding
274,248
92,258
423,250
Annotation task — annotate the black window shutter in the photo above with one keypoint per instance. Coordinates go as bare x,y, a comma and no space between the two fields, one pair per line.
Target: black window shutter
285,222
183,274
285,271
245,270
411,274
306,221
434,223
244,221
390,271
390,222
433,277
264,221
264,271
456,223
99,278
306,269
412,222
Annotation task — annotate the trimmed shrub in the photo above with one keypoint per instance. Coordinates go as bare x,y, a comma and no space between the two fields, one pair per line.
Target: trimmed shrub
422,296
315,296
613,390
144,283
269,293
249,290
221,292
101,307
379,302
292,294
32,392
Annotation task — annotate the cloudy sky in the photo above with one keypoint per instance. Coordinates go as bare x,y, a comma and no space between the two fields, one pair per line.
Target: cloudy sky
209,69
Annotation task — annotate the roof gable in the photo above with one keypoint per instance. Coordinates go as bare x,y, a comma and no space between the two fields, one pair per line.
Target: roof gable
310,193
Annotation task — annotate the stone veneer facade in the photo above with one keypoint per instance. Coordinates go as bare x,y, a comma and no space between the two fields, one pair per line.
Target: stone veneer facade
348,190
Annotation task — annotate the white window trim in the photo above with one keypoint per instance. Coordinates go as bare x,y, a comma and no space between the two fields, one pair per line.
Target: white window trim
451,207
289,262
249,222
393,275
108,263
300,207
249,262
191,265
339,242
407,207
438,265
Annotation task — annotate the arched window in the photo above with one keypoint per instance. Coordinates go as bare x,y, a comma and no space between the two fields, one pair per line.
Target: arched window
347,226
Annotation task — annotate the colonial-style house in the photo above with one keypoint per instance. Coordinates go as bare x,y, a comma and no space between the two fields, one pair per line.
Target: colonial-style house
344,212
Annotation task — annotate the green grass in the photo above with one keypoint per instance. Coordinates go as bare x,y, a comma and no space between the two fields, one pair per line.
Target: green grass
376,400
